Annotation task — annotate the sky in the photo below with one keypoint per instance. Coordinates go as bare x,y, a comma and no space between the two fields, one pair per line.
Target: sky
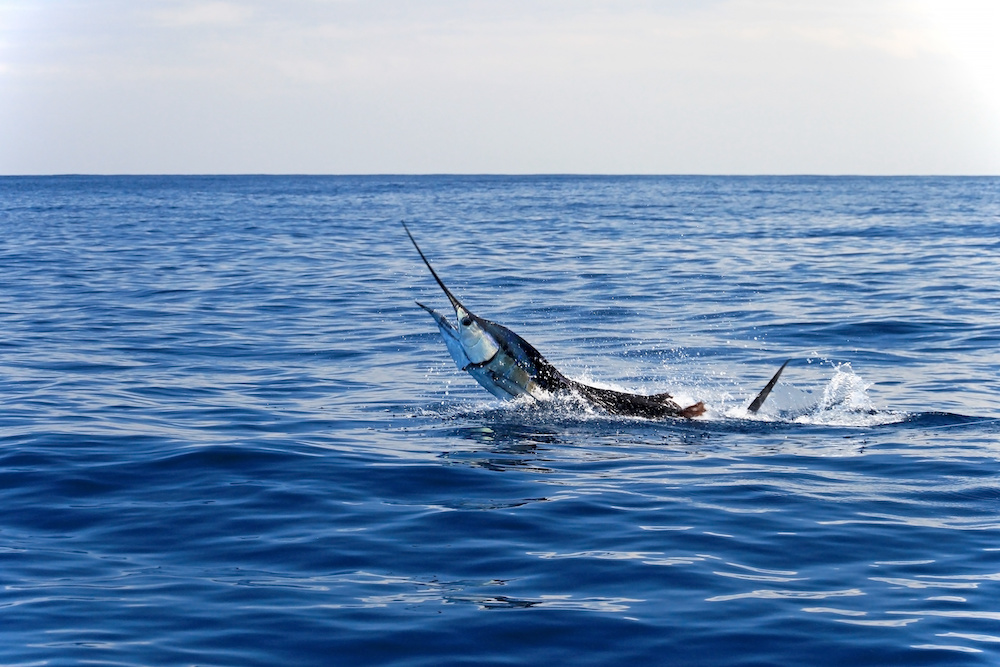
513,86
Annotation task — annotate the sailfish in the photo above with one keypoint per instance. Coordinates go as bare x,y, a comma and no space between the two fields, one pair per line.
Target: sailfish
508,366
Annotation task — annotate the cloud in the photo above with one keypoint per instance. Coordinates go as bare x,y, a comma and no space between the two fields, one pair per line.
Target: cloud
730,86
203,14
968,29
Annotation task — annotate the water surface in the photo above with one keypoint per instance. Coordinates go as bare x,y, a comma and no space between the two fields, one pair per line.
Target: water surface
229,436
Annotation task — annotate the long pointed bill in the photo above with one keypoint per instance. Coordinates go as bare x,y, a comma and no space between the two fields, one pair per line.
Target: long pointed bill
456,304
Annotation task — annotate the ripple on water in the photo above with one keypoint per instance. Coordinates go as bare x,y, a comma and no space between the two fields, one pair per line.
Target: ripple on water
228,435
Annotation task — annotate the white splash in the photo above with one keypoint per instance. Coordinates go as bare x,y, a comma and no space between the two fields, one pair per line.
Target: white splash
842,400
846,402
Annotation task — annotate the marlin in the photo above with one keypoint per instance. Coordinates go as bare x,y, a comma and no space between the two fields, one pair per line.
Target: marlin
508,366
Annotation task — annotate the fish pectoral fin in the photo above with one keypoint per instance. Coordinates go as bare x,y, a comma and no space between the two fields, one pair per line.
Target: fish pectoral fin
766,391
481,364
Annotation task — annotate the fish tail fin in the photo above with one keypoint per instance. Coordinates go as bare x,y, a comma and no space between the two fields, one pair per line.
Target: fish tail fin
693,411
689,412
765,392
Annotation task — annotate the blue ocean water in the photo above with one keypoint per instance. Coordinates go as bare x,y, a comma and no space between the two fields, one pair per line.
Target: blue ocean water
228,436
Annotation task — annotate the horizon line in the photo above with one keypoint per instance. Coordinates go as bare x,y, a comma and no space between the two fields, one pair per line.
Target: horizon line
390,174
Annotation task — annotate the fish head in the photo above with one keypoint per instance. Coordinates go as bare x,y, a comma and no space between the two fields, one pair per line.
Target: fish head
480,346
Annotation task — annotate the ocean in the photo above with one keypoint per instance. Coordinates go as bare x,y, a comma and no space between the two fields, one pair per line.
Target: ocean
229,436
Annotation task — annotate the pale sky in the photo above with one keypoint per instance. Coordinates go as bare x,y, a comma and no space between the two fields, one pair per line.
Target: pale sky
513,86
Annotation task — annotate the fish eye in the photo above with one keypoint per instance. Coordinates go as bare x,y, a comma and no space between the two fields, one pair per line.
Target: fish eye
466,321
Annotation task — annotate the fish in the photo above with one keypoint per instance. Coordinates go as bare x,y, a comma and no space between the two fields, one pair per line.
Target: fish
509,367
